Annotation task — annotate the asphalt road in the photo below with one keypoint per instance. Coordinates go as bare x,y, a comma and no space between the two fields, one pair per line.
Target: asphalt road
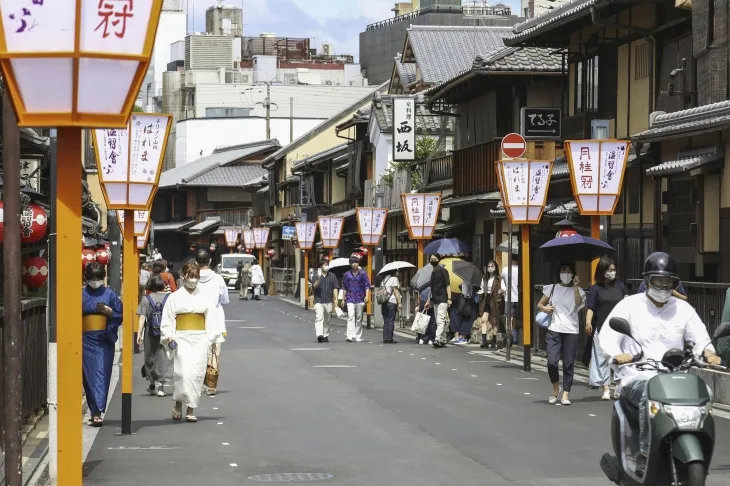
365,413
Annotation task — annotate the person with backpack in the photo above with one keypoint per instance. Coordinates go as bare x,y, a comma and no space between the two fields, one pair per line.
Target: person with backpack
156,364
389,297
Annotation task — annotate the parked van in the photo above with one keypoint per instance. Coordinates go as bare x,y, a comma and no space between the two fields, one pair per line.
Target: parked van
228,267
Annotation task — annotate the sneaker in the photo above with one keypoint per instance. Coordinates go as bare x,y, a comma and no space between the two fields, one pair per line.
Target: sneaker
326,340
460,341
420,341
454,340
606,395
320,339
565,401
430,343
151,389
435,345
161,392
358,340
617,393
348,340
552,399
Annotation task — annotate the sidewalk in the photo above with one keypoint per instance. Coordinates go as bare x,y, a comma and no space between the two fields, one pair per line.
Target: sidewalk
35,447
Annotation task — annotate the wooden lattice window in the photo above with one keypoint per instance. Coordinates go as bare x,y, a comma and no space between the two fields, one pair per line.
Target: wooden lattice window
641,61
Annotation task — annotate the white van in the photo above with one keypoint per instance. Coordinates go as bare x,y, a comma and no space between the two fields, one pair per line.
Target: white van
228,267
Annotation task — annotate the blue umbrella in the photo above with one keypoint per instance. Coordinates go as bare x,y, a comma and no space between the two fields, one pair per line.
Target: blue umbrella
447,246
575,248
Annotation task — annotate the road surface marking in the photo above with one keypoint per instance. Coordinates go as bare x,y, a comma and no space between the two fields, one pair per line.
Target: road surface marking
252,327
225,443
438,363
591,414
499,384
233,464
310,349
535,379
454,369
220,423
473,376
334,366
215,408
400,351
527,393
482,361
412,354
423,358
153,448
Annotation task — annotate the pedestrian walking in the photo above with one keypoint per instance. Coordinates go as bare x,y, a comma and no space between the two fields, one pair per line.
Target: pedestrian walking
356,286
156,364
491,306
513,299
215,292
602,298
257,280
421,300
188,331
159,267
390,309
562,301
144,276
324,287
244,279
102,316
440,299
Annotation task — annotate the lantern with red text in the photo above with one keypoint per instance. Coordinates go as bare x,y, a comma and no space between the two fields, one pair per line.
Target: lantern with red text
523,185
35,272
102,256
33,224
87,256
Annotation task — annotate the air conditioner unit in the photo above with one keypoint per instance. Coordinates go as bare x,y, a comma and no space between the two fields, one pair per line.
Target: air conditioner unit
244,79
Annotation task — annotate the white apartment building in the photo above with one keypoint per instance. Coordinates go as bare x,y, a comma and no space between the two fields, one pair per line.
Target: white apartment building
535,8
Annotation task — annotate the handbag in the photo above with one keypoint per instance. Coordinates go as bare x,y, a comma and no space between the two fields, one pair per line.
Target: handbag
211,373
420,323
544,319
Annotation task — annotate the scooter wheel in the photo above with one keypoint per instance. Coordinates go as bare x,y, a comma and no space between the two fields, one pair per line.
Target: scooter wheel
696,474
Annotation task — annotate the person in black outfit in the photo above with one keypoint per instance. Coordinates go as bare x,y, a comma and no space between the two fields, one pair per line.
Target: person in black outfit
440,298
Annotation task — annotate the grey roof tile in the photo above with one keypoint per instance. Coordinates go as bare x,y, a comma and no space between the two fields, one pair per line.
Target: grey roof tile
330,153
406,72
515,59
683,164
667,125
426,122
552,19
444,52
233,176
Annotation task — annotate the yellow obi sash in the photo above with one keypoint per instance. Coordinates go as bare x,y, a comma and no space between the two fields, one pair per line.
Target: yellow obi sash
94,322
190,322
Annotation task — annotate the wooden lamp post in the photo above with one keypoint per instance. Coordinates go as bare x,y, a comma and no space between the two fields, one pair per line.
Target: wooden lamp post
231,238
523,185
371,224
129,161
70,64
421,212
330,231
597,170
306,233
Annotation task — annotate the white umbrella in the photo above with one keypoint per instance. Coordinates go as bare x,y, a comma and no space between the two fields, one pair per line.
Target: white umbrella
395,266
339,262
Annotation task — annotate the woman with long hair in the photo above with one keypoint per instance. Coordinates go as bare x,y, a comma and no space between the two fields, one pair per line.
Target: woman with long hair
563,301
150,311
491,305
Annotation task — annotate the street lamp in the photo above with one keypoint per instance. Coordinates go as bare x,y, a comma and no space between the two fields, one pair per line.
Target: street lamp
330,231
371,225
129,162
66,65
231,238
421,212
306,233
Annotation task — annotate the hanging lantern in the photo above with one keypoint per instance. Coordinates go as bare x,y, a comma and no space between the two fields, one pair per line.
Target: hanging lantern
270,253
35,272
87,256
103,256
33,224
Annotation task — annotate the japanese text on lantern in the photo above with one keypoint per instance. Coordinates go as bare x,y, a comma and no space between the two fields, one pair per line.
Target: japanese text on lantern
146,149
540,174
404,128
113,15
613,156
597,169
248,239
585,166
330,229
516,177
114,152
421,213
26,222
22,18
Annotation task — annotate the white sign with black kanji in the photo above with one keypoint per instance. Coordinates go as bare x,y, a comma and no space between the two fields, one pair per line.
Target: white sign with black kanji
404,128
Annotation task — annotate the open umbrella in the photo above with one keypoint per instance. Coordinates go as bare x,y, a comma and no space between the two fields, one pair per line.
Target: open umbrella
395,266
575,248
447,246
468,272
422,278
339,262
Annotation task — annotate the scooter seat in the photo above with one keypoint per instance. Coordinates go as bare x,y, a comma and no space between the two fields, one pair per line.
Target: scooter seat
630,410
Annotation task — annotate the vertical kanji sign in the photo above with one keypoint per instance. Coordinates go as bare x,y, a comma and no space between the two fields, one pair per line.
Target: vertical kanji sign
421,212
330,230
305,235
404,128
597,170
248,242
523,185
371,224
231,237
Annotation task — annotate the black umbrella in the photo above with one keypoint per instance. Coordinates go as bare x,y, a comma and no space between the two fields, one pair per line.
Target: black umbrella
468,273
422,279
575,248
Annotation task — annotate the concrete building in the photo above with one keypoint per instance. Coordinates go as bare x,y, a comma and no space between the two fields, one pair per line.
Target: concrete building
382,41
535,8
224,20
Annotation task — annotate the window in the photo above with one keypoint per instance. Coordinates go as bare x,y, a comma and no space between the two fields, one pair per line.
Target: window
641,61
682,210
586,86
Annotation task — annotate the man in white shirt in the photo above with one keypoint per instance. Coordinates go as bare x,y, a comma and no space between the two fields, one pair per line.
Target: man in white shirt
658,323
513,300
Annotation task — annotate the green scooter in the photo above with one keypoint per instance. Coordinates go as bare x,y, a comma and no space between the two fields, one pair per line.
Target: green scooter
681,426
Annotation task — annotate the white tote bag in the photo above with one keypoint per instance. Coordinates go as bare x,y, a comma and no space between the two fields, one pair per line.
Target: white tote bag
420,323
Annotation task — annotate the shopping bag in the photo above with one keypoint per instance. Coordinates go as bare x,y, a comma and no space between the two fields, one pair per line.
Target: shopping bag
420,323
211,373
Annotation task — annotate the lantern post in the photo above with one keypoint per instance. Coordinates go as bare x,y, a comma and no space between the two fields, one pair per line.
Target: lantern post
248,241
523,185
231,238
54,57
597,170
421,213
129,162
371,224
330,232
260,238
305,241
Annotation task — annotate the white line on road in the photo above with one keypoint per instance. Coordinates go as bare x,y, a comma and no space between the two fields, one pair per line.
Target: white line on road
454,369
235,320
233,464
591,414
438,363
473,376
499,384
482,361
152,448
535,379
335,366
423,358
527,393
252,327
225,443
310,349
215,408
220,423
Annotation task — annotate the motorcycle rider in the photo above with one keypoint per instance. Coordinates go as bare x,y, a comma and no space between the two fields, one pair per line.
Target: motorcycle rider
659,322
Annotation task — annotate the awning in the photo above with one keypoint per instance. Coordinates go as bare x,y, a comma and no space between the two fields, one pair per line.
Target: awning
346,214
174,226
442,228
289,181
263,190
553,209
222,229
205,227
482,198
683,164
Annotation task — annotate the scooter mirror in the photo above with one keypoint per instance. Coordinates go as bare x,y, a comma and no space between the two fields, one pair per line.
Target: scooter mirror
620,325
723,330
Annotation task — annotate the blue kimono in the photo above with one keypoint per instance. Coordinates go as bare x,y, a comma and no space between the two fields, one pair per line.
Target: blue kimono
98,356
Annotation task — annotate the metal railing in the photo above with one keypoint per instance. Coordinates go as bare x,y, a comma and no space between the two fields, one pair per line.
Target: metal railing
35,359
284,280
496,11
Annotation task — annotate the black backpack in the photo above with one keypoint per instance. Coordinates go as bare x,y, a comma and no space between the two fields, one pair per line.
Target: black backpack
154,319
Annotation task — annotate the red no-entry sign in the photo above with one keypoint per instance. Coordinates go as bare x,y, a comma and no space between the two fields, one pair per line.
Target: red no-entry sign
514,145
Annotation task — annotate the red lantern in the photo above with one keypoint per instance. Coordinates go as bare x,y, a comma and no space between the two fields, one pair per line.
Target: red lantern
33,224
87,256
270,253
103,256
565,232
35,272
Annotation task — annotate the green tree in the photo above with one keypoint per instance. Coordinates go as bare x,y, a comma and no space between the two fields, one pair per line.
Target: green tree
137,109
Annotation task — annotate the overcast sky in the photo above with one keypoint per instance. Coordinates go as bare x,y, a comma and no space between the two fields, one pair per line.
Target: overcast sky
337,21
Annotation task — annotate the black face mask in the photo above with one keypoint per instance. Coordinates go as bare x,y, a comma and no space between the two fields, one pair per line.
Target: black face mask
434,263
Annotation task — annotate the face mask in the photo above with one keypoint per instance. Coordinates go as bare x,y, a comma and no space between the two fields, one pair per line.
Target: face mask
491,269
325,268
610,275
566,278
659,295
191,283
95,284
434,262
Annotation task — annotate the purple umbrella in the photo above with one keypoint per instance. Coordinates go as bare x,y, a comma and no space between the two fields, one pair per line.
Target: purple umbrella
447,246
575,248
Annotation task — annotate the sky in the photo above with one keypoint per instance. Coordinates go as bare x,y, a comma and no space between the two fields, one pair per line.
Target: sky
336,21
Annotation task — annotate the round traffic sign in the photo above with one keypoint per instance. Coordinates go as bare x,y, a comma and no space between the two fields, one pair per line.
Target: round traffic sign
514,145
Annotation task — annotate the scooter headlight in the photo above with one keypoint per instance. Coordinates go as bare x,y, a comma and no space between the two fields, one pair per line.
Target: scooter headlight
687,417
654,408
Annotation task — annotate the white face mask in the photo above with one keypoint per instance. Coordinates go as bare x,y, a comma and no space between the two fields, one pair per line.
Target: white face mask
566,278
491,269
658,295
191,283
610,275
95,284
325,268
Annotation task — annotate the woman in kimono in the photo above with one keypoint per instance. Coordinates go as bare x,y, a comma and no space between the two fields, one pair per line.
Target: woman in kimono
187,331
257,280
102,316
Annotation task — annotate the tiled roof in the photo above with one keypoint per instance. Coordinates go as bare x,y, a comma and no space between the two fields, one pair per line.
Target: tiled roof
444,52
257,182
406,71
473,199
220,157
515,59
233,176
683,164
321,156
688,122
426,122
553,19
552,208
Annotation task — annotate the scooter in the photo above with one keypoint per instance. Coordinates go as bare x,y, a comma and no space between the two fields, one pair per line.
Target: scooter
681,426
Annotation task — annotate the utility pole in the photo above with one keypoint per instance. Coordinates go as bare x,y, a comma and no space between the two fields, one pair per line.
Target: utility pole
268,111
291,119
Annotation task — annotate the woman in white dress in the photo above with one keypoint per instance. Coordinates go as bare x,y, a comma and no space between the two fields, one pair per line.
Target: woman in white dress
187,331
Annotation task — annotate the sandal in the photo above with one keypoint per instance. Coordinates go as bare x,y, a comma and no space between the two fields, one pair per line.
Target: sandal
176,416
191,418
97,422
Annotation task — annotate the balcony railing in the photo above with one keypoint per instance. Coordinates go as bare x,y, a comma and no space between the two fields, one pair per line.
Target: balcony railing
438,171
285,212
473,168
